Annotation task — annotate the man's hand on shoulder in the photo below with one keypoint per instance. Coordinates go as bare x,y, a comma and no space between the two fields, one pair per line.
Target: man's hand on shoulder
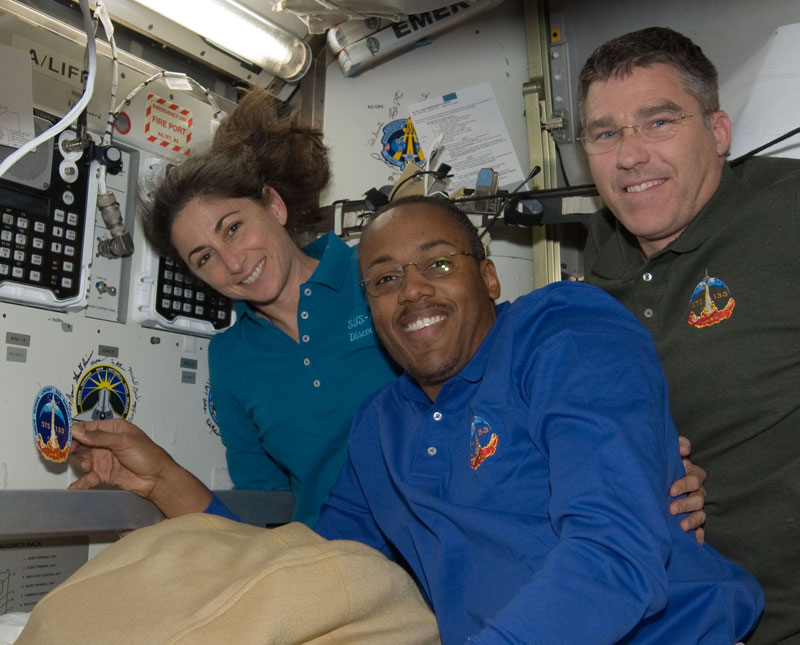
692,486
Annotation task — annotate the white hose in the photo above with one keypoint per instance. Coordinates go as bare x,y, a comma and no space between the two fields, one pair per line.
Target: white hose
73,114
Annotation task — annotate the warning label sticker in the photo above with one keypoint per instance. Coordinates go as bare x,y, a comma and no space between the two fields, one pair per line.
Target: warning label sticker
168,124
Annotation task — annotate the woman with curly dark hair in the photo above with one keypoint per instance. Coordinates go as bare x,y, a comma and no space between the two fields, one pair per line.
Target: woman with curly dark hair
287,377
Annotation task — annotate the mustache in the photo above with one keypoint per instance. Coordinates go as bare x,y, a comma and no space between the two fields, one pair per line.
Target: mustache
428,308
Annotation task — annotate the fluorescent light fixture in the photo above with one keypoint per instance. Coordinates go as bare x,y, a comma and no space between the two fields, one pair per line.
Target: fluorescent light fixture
240,31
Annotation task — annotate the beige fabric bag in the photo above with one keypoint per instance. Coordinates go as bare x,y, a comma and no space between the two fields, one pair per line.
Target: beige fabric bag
205,579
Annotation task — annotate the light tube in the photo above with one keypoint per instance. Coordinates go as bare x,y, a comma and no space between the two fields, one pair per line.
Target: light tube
240,31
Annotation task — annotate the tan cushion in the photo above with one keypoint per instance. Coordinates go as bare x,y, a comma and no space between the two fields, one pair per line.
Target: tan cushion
205,579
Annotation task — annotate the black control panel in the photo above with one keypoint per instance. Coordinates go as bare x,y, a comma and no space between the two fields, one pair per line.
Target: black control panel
180,293
43,205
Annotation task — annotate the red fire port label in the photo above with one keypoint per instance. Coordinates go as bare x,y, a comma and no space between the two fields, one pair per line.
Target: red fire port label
168,124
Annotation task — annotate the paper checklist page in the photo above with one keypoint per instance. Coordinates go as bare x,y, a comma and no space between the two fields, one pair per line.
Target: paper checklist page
474,135
16,97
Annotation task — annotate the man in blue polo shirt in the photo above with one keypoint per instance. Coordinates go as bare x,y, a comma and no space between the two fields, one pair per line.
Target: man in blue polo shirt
520,465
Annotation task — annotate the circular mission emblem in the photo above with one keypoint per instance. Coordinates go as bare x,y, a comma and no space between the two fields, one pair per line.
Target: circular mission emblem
103,393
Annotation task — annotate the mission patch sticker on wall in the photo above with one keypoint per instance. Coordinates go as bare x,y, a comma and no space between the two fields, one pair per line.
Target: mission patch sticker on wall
103,388
52,424
103,393
400,144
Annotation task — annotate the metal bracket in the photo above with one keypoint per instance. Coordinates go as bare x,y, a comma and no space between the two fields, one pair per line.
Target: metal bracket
534,86
555,123
562,92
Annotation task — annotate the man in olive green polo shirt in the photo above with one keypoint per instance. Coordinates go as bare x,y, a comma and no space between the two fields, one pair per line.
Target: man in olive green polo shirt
707,257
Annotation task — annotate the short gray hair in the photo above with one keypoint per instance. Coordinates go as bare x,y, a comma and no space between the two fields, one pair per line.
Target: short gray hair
618,57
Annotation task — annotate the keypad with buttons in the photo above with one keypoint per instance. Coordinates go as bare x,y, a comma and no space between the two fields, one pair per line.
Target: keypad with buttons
179,293
41,236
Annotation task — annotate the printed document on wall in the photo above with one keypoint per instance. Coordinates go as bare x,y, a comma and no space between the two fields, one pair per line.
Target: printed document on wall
474,135
16,97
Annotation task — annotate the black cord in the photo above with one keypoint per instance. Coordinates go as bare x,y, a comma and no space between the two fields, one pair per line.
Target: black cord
754,152
536,170
561,164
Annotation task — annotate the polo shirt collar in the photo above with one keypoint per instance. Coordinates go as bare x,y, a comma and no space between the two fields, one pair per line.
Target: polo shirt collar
472,372
620,255
711,217
333,255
